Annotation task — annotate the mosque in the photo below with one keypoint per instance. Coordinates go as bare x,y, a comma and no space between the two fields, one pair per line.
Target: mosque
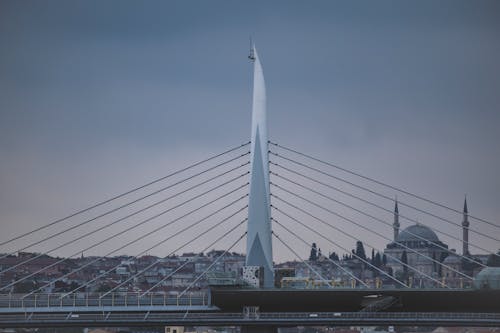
419,247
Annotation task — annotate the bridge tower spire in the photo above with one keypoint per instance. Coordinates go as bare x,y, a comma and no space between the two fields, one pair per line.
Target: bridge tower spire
259,242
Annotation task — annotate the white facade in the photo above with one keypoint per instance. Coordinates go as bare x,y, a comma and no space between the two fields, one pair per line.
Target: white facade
259,242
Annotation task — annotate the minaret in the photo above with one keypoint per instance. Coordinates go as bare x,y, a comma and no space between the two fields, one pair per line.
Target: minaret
396,224
259,243
465,228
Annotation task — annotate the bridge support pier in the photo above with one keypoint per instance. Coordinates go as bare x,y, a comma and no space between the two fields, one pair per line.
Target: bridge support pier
259,329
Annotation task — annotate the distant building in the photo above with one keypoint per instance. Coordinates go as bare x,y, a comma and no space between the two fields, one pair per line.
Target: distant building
452,264
280,273
488,278
420,248
417,247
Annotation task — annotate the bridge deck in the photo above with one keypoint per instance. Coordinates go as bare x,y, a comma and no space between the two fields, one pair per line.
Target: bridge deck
278,307
408,300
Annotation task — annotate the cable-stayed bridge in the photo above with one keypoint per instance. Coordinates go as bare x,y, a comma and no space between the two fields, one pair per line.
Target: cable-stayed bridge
258,192
394,301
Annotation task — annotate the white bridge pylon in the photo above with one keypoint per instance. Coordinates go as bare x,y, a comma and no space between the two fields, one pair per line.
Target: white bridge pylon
259,242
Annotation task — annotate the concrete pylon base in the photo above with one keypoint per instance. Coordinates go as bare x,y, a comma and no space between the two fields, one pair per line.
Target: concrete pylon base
259,329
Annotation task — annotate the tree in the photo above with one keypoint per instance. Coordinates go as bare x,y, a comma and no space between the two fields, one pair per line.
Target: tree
74,285
441,259
403,275
103,288
360,250
384,259
24,287
314,253
334,256
404,260
378,260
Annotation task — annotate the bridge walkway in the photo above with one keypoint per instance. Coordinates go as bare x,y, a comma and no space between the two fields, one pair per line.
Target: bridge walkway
87,302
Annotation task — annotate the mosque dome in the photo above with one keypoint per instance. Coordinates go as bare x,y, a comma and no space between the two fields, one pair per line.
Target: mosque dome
488,278
417,233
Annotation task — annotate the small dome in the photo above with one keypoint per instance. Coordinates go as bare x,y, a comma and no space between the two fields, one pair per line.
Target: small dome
488,278
417,232
452,259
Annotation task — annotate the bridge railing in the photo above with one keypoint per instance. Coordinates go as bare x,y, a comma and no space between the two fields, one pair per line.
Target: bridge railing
44,300
379,315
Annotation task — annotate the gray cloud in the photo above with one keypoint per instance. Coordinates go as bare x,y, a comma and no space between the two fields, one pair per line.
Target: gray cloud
98,97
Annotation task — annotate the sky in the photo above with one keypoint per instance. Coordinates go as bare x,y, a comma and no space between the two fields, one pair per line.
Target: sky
99,97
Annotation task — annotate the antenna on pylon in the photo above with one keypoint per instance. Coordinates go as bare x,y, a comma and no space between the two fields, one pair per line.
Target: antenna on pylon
251,56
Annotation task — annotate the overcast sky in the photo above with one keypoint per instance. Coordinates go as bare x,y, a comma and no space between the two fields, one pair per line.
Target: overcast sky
97,97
